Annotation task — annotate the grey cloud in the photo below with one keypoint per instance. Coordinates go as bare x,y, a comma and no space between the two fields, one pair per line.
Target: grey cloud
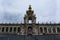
11,18
45,10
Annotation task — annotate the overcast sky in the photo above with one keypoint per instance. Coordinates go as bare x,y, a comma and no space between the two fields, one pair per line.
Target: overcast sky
13,11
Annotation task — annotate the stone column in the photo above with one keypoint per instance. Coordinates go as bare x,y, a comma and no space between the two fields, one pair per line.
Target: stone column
38,30
43,29
16,29
22,31
8,29
56,29
4,29
47,30
51,29
12,29
1,29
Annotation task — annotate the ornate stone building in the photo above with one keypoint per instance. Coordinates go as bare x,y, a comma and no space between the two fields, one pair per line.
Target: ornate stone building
30,28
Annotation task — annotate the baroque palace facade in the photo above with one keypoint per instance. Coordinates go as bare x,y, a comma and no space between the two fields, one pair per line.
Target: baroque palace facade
32,28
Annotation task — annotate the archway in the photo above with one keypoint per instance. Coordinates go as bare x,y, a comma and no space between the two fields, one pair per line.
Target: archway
30,30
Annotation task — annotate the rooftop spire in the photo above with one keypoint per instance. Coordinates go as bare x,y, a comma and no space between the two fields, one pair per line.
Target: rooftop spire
30,7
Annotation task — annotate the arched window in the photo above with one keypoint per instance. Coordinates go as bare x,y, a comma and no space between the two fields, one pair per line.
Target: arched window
45,29
10,29
58,29
19,29
30,21
2,29
30,28
49,29
6,29
14,29
54,31
41,30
